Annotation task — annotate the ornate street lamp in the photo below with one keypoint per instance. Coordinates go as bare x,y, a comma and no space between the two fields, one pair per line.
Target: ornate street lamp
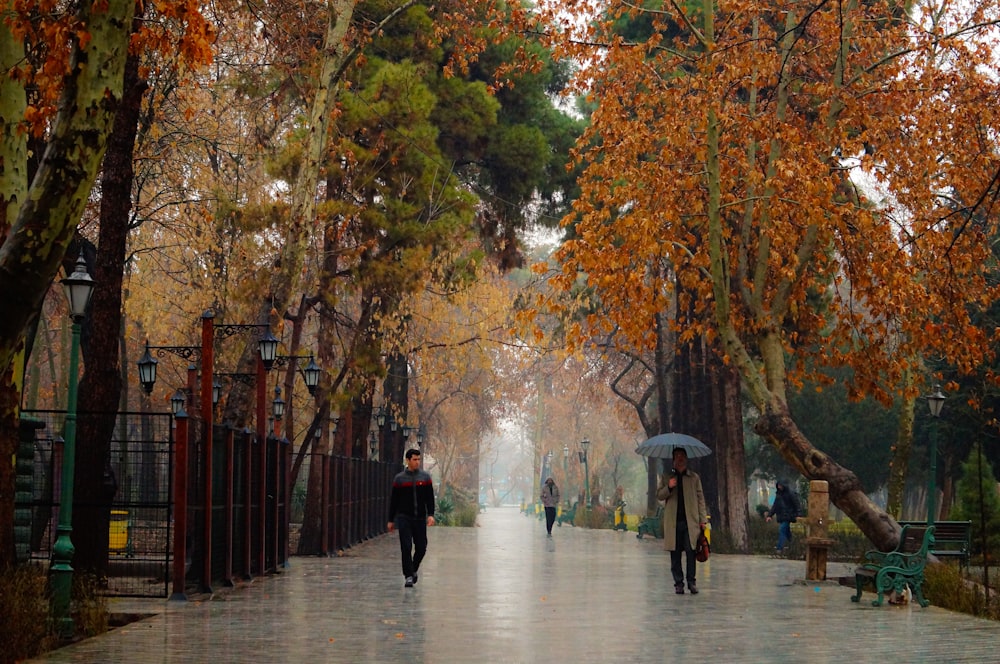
278,404
177,402
311,374
147,370
935,401
79,287
268,347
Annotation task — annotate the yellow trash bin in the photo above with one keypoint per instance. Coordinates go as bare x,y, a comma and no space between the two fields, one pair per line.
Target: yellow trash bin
118,532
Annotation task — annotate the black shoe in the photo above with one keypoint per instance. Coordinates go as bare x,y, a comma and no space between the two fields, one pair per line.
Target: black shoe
415,577
679,588
409,582
693,589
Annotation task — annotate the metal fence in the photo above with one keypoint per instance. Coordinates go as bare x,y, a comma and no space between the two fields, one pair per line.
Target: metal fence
236,517
139,532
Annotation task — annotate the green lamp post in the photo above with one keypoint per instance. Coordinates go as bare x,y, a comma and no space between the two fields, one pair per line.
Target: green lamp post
79,287
584,444
935,401
566,472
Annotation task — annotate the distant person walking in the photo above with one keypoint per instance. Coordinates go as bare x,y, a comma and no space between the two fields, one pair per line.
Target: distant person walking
411,511
785,510
684,515
550,500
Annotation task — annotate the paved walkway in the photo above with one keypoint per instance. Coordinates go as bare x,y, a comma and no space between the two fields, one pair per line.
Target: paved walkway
503,592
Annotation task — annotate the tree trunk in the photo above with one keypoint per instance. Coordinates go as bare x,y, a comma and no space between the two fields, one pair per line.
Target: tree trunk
730,455
10,393
900,464
33,251
777,427
101,384
46,217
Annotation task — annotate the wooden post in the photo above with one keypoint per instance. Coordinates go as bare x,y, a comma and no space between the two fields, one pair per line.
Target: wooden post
817,542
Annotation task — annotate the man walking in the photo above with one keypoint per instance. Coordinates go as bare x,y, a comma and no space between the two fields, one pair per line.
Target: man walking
411,510
684,516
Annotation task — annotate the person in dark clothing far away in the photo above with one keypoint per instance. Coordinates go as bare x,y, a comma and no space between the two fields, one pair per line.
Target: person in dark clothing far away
411,511
784,510
550,500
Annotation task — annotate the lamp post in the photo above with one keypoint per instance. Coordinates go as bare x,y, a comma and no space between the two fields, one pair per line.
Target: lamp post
267,348
180,496
419,430
935,401
79,287
566,467
278,406
584,444
546,469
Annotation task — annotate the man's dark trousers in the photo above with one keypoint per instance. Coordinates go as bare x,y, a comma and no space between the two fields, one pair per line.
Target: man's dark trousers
683,545
412,541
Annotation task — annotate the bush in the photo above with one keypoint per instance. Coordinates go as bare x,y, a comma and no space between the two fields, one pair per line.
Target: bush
945,587
849,544
452,511
24,630
465,516
90,608
596,517
443,510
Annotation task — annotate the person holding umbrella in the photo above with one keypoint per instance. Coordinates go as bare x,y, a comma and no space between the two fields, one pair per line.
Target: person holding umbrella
684,515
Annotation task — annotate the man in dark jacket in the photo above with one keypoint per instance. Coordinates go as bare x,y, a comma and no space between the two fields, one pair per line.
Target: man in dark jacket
411,510
784,510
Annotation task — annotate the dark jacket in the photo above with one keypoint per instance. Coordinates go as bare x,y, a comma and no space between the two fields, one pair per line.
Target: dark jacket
786,503
412,495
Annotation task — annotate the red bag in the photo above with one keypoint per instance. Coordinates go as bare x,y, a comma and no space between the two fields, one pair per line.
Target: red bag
702,548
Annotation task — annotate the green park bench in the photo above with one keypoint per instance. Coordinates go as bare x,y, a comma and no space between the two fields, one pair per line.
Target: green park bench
952,539
652,525
904,566
566,515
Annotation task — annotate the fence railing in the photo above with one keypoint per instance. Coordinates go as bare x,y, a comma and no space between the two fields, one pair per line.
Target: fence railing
247,534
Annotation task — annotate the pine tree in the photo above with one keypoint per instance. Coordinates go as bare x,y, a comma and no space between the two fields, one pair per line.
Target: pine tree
979,502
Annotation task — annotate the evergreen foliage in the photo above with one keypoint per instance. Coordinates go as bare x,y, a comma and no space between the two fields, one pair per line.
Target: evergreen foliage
978,502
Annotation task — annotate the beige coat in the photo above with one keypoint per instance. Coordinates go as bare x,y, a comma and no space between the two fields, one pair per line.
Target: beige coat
694,506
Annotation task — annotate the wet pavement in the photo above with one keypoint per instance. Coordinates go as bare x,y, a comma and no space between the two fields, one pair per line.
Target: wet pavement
504,592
